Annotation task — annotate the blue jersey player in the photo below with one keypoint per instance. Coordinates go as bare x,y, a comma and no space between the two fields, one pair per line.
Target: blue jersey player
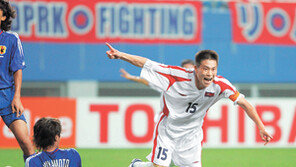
11,66
47,133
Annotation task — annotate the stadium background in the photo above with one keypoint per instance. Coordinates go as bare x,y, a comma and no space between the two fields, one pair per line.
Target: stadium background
69,76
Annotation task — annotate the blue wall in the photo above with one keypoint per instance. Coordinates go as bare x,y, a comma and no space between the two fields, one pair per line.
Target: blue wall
240,63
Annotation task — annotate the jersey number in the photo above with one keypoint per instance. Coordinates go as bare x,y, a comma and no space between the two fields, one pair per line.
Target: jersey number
164,153
191,107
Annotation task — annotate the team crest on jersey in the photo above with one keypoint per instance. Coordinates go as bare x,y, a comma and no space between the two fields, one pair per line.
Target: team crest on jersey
2,49
209,94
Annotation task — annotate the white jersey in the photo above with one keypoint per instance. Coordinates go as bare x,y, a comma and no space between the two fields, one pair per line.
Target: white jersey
182,103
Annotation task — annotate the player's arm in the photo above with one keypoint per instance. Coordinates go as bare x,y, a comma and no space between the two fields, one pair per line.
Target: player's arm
16,102
252,113
17,64
133,78
133,59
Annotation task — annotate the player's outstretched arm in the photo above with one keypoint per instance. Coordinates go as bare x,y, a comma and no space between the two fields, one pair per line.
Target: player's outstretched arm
252,113
133,78
133,59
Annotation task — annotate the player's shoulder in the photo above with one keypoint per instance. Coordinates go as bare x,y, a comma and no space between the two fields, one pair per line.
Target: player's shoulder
223,83
11,35
70,150
171,67
219,80
177,68
31,161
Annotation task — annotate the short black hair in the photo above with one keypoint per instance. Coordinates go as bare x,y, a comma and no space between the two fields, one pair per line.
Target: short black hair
187,61
10,14
45,131
206,54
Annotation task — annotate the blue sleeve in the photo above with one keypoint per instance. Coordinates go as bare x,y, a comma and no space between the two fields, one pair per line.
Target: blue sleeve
31,162
17,61
77,158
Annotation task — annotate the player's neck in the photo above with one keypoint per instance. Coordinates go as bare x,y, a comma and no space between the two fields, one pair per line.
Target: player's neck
52,148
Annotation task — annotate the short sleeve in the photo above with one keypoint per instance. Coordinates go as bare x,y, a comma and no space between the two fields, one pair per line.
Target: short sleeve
228,90
30,162
235,97
162,77
77,158
17,61
152,72
154,87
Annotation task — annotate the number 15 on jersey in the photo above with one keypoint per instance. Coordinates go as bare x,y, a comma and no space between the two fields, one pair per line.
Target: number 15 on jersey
191,107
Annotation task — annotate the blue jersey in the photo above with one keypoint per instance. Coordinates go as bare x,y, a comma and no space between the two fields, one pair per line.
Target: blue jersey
11,58
56,158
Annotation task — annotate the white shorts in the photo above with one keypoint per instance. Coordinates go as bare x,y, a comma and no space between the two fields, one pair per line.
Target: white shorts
185,151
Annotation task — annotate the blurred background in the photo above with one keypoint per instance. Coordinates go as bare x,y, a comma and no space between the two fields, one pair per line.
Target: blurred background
64,44
69,76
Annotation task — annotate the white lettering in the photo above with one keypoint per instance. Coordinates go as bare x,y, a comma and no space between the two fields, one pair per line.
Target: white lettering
164,21
57,163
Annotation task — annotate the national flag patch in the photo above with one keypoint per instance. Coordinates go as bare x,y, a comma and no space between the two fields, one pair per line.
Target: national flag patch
209,94
2,49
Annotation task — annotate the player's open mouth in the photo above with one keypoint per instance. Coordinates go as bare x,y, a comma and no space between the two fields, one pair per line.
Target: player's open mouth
208,79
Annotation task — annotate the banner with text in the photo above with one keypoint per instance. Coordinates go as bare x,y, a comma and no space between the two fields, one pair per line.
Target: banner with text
108,20
264,23
128,122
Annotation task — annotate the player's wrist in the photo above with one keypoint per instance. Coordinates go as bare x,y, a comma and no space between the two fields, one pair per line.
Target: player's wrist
134,78
17,96
121,55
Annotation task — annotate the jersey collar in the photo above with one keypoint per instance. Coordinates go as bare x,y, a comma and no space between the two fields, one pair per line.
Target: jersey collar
52,152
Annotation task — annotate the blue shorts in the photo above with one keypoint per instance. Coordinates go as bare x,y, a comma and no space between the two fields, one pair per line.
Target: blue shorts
8,119
6,97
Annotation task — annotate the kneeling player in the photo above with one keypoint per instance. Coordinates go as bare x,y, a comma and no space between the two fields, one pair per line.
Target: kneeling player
47,132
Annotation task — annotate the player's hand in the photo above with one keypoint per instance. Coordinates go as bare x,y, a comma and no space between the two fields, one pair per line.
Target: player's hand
17,106
265,136
112,53
125,74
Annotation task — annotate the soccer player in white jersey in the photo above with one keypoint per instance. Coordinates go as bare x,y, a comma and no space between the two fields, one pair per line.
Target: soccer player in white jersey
186,97
186,63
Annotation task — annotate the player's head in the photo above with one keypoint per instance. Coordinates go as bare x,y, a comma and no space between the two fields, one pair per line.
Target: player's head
206,55
187,63
7,13
206,67
47,132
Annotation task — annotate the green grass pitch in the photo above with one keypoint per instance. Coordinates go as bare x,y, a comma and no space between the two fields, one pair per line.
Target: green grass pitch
268,157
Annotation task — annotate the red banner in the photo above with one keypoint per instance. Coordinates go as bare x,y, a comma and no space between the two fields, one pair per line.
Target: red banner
62,108
109,20
121,122
264,23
